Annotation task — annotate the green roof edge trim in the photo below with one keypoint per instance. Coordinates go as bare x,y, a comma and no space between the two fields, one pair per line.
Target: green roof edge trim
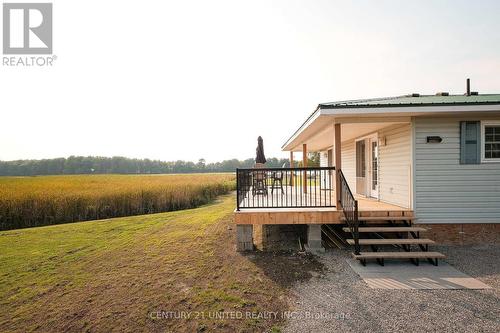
356,106
412,101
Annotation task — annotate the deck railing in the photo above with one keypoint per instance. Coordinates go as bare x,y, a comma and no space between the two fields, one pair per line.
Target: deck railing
349,206
285,187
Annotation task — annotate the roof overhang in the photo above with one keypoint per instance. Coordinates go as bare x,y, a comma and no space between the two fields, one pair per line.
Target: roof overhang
323,119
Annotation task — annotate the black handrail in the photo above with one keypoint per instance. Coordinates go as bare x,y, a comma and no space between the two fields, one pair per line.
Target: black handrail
350,210
285,187
286,169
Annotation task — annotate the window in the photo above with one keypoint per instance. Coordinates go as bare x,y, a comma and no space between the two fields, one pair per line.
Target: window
470,147
491,141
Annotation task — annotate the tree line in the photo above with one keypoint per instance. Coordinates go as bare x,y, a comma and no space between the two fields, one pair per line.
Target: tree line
122,165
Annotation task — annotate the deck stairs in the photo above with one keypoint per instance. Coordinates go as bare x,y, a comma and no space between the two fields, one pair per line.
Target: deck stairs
391,237
388,234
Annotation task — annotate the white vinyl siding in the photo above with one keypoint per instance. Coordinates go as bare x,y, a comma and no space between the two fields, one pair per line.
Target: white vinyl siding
323,159
445,190
395,165
348,162
348,155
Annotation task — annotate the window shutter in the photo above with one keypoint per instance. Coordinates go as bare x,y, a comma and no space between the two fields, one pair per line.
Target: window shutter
470,142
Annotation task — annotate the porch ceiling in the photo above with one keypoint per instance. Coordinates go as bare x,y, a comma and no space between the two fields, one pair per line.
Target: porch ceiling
319,134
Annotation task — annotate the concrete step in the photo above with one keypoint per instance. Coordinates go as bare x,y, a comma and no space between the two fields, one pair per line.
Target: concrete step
386,229
393,241
398,255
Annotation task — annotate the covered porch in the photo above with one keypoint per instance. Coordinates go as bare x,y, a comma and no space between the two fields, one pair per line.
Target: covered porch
373,155
364,175
296,189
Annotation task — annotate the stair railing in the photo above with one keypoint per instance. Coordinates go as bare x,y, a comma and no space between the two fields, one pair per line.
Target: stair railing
349,207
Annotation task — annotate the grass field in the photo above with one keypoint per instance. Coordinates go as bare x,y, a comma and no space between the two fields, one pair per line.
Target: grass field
114,275
46,200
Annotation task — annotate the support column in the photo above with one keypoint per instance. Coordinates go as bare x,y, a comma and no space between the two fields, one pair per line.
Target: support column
291,166
314,238
244,237
338,160
259,236
304,164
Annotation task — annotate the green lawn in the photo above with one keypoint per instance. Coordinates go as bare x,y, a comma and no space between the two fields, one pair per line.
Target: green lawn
113,274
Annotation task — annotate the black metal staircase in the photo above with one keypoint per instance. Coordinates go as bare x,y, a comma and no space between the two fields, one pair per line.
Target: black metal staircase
388,237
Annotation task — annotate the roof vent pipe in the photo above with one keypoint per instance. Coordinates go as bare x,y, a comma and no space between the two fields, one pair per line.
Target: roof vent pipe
468,87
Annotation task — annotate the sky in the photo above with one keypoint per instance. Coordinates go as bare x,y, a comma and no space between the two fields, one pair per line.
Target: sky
192,79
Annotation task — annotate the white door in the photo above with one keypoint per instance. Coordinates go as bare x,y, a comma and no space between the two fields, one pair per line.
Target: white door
373,174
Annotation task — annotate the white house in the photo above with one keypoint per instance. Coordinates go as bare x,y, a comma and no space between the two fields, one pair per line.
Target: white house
435,158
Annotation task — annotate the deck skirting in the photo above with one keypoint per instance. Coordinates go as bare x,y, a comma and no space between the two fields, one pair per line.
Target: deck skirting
288,217
307,216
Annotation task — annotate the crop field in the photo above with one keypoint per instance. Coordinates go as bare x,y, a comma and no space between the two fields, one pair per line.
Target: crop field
123,274
46,200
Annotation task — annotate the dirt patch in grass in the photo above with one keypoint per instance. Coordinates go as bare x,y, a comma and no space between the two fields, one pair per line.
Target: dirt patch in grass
169,272
287,267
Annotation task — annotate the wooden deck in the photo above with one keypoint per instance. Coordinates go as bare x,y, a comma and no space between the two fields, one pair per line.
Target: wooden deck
372,205
309,215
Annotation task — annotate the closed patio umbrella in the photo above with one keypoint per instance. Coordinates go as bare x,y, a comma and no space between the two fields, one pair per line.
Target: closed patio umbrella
260,158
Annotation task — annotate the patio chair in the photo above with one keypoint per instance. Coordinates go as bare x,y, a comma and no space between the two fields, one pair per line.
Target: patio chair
259,180
277,180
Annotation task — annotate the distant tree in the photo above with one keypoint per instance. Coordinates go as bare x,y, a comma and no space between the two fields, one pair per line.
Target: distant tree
313,159
201,164
122,165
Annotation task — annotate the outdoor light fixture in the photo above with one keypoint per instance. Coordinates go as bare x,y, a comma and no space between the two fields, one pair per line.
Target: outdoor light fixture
434,139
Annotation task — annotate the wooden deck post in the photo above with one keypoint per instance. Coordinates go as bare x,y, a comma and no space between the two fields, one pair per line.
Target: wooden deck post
304,164
291,166
338,160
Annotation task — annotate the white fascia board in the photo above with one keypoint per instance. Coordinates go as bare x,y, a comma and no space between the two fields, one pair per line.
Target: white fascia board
410,110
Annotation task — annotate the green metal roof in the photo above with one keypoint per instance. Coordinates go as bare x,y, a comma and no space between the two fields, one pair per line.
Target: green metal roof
415,100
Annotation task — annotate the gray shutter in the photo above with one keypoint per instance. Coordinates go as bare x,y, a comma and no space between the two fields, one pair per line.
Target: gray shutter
470,142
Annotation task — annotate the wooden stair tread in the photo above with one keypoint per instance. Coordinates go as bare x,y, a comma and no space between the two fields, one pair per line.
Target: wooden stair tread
396,255
383,218
392,241
386,229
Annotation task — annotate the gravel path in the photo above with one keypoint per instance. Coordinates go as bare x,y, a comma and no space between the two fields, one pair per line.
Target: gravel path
346,304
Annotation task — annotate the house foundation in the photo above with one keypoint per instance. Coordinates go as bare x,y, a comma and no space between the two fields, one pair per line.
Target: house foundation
314,243
244,237
463,234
